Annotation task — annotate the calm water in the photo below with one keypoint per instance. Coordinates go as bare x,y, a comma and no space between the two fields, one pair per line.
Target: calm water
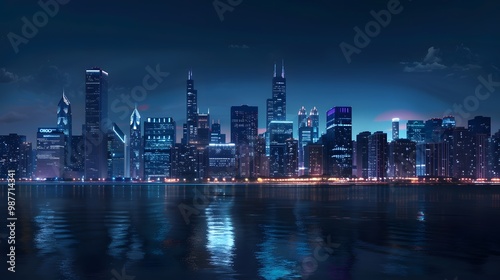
254,232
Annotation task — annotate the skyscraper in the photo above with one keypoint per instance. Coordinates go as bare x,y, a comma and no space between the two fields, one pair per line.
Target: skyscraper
221,161
11,157
159,138
64,122
395,128
306,132
314,123
402,158
449,122
117,155
203,130
377,156
313,159
339,141
362,154
463,165
244,124
244,131
302,117
291,157
191,110
276,105
480,129
415,131
480,125
494,156
434,130
279,132
216,137
96,114
50,153
435,157
135,146
279,94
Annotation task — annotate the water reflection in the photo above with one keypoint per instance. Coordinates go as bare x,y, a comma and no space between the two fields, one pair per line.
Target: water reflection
220,234
54,240
257,232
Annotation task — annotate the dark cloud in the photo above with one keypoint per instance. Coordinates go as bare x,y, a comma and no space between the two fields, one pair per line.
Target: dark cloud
12,117
431,62
7,77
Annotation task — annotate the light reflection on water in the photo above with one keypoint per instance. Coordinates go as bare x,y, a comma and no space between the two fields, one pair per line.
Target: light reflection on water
256,232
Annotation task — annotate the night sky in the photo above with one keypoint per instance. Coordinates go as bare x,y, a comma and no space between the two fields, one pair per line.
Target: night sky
427,58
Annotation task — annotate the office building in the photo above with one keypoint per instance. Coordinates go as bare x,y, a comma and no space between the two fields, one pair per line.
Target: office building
221,161
96,118
191,126
339,142
135,146
415,131
50,153
14,155
313,159
291,157
159,138
65,122
117,153
433,130
402,158
377,156
362,154
395,128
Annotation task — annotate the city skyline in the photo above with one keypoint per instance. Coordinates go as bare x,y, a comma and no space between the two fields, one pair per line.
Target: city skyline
383,121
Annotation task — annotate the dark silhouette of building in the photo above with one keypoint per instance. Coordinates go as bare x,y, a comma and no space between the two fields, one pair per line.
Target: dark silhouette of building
191,126
96,126
244,131
377,156
339,141
362,150
402,158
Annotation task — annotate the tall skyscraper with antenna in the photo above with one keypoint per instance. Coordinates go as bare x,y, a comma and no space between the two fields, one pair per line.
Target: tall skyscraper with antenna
276,105
279,95
190,130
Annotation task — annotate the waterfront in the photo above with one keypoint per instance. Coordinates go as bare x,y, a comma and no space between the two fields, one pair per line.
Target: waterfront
254,231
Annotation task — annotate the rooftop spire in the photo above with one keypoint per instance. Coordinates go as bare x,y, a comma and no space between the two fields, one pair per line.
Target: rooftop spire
65,99
274,75
190,74
282,68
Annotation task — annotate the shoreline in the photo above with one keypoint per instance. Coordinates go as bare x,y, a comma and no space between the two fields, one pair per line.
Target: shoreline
290,184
